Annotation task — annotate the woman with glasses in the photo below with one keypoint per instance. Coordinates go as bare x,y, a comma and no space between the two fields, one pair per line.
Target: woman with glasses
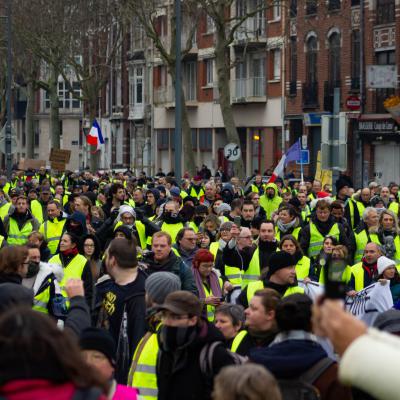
14,262
207,281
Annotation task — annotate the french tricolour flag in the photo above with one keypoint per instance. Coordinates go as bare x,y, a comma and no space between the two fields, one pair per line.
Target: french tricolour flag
293,154
95,137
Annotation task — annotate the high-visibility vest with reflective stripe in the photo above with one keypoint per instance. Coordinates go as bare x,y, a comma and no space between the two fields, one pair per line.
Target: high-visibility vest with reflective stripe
351,210
172,229
254,286
18,236
303,268
37,210
52,231
41,300
73,270
237,340
214,247
361,242
305,213
317,239
144,376
194,194
252,273
234,275
346,276
210,308
256,189
4,210
279,234
360,206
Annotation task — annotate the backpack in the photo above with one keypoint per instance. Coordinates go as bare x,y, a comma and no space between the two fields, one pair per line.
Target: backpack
302,388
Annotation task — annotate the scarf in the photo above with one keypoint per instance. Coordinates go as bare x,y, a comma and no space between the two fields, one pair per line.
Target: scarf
372,269
286,227
70,252
212,280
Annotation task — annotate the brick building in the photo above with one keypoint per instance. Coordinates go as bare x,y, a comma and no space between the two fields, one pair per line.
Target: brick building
323,53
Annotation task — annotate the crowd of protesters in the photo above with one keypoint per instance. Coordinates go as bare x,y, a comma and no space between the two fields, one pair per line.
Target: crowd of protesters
115,286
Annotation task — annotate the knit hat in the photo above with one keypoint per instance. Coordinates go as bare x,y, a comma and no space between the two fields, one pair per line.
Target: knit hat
175,192
160,284
126,209
388,321
197,178
126,231
100,340
279,260
384,263
223,208
182,302
342,182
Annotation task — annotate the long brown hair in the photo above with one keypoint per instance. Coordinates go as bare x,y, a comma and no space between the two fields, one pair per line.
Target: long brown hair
32,347
11,258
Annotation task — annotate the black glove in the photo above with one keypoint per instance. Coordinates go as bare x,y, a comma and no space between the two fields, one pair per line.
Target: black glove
114,214
139,214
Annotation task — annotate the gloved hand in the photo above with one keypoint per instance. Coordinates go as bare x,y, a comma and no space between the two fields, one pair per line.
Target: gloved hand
139,214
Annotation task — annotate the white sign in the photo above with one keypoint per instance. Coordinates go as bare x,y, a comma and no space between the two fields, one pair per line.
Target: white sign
304,142
369,302
381,76
232,152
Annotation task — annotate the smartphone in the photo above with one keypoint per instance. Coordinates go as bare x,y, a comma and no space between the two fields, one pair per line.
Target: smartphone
335,288
237,221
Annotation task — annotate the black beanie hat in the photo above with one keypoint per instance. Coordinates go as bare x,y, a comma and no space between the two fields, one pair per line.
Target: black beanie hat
100,340
342,182
279,260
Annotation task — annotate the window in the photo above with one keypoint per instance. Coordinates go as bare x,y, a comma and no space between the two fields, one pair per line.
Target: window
205,139
136,85
385,11
163,139
277,64
311,59
276,11
66,99
311,7
293,9
334,58
209,64
384,58
355,60
190,80
210,25
355,3
293,65
258,87
241,8
334,5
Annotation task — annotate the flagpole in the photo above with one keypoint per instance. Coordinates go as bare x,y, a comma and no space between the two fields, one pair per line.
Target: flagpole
301,163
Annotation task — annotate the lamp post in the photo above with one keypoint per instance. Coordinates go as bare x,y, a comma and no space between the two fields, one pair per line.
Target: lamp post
178,92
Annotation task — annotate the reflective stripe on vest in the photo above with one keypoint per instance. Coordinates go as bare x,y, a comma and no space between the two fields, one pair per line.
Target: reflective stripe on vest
237,340
172,229
52,231
252,273
317,240
234,275
17,236
41,301
144,376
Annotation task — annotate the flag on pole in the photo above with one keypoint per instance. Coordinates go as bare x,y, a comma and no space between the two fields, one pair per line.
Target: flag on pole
293,154
95,137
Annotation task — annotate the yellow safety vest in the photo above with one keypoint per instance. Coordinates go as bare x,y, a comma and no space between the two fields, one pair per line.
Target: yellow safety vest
17,236
144,375
317,240
193,226
234,275
172,229
345,277
256,189
141,230
253,272
238,340
210,308
7,187
394,206
295,233
358,272
305,213
37,210
361,242
254,286
214,247
52,231
73,270
194,194
270,205
303,268
41,300
4,210
1,240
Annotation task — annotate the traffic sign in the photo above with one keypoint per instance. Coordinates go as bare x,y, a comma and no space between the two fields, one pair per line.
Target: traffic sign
232,152
353,103
305,157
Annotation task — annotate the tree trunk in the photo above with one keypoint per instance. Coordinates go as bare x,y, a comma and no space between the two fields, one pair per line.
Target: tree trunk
30,107
54,109
223,73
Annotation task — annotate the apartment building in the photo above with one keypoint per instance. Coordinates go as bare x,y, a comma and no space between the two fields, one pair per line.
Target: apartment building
323,53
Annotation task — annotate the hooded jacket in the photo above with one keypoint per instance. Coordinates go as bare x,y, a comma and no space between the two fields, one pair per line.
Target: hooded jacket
179,376
175,265
21,219
270,205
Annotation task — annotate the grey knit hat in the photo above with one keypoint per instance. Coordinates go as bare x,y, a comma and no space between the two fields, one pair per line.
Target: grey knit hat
160,284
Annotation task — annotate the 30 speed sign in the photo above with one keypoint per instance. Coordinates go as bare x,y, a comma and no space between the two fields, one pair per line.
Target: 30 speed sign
232,152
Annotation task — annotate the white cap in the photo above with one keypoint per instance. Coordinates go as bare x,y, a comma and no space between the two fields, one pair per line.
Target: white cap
384,263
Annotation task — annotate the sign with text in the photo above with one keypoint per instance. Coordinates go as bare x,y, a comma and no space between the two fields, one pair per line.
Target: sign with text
377,125
58,155
381,76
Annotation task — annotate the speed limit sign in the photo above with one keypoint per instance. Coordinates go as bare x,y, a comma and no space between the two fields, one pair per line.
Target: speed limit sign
232,152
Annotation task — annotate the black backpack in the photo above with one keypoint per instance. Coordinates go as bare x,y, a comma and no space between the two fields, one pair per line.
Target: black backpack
302,388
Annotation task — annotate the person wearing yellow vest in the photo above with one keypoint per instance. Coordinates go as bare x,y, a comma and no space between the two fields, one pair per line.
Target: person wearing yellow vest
60,194
389,235
289,244
305,209
270,200
338,253
280,276
321,224
4,205
171,221
208,283
43,279
229,320
196,188
74,265
39,206
256,187
365,272
20,223
366,232
395,207
142,374
53,228
288,223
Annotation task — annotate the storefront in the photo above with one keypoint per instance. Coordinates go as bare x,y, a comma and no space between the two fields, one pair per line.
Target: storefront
380,138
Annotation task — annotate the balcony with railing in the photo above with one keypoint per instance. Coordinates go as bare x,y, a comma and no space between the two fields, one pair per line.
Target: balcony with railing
310,94
252,30
249,90
165,95
329,90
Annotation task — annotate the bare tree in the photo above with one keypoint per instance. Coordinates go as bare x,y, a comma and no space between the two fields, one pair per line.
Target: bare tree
147,13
